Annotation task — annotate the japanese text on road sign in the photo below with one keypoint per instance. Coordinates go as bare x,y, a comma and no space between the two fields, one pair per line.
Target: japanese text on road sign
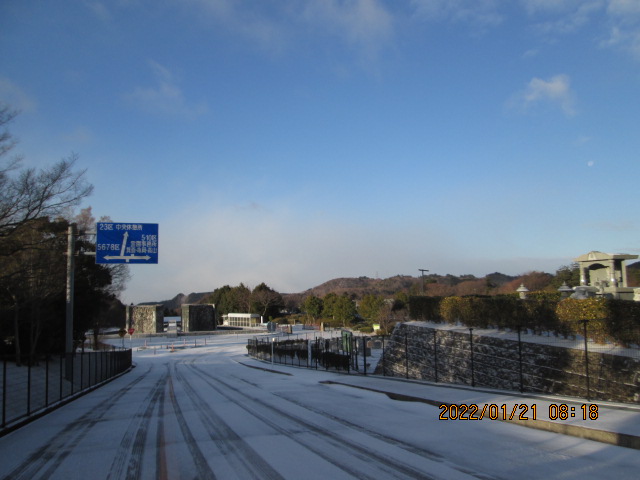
127,243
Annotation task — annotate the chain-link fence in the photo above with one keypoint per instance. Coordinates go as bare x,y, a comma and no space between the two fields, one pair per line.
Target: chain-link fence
38,384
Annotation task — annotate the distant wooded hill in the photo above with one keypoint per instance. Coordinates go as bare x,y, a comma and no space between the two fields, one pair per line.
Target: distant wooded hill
437,285
356,288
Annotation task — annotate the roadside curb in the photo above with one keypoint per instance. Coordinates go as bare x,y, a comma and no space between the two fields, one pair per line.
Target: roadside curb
603,436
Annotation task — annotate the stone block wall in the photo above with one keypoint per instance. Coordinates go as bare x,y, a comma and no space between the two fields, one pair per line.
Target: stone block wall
145,318
198,318
422,352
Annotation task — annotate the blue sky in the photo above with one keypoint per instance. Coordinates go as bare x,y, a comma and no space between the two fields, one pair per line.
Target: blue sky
295,141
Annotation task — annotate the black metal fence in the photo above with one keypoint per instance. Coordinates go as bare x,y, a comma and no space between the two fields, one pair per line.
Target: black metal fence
347,353
518,359
37,385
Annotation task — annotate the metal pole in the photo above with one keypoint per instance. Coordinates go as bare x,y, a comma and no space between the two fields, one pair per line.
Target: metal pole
586,359
364,355
71,243
29,386
384,363
473,381
423,270
46,385
4,392
520,360
406,354
435,354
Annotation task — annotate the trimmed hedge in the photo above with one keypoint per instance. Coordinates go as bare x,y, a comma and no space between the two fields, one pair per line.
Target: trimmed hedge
425,308
608,319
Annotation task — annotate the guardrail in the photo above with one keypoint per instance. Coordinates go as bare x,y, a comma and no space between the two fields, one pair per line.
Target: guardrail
40,384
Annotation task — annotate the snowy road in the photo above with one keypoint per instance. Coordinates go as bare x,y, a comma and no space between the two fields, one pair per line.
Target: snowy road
204,413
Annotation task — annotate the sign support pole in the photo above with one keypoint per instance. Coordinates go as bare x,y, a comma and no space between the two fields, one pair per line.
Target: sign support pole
71,244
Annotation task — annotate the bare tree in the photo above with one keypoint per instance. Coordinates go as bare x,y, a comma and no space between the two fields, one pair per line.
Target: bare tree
29,199
30,194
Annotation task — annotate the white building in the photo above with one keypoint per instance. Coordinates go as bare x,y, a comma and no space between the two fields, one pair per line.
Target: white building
242,320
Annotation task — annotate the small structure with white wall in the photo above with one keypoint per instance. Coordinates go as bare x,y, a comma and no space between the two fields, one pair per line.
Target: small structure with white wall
242,320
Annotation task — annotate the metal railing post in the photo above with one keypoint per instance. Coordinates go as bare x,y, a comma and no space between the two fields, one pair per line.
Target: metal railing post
61,362
473,380
4,392
46,379
81,369
29,385
586,359
520,360
364,354
435,354
384,362
406,354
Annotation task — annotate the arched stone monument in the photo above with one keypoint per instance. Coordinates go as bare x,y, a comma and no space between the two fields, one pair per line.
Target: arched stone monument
606,273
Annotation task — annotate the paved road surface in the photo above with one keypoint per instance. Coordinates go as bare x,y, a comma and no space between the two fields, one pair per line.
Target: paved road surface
209,413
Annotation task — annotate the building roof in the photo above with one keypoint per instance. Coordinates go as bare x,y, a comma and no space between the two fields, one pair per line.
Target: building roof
595,256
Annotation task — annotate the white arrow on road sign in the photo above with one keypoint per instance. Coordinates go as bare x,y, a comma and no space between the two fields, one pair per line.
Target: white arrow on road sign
125,258
127,242
124,243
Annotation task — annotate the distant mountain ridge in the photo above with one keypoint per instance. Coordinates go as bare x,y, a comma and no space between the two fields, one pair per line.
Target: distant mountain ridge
358,287
355,287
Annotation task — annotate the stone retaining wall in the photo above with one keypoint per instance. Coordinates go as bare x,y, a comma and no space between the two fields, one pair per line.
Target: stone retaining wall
422,352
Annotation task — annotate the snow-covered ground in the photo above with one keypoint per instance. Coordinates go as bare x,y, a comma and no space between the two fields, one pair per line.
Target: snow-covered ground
211,412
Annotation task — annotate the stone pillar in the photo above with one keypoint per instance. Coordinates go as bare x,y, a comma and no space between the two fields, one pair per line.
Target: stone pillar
584,275
146,318
198,318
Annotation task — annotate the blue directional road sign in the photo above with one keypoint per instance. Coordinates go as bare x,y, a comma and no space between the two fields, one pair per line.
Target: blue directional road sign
126,242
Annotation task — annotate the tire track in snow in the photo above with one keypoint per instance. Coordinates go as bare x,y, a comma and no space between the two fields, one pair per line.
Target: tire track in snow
200,462
54,453
392,467
161,446
427,454
132,444
243,458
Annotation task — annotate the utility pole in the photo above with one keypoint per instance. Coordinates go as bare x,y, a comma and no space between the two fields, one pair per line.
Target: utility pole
71,247
423,270
72,233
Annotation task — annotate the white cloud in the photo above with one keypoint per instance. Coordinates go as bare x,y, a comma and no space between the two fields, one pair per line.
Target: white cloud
555,91
624,37
364,24
547,6
251,22
166,97
624,7
483,13
15,96
620,17
203,249
569,17
98,9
